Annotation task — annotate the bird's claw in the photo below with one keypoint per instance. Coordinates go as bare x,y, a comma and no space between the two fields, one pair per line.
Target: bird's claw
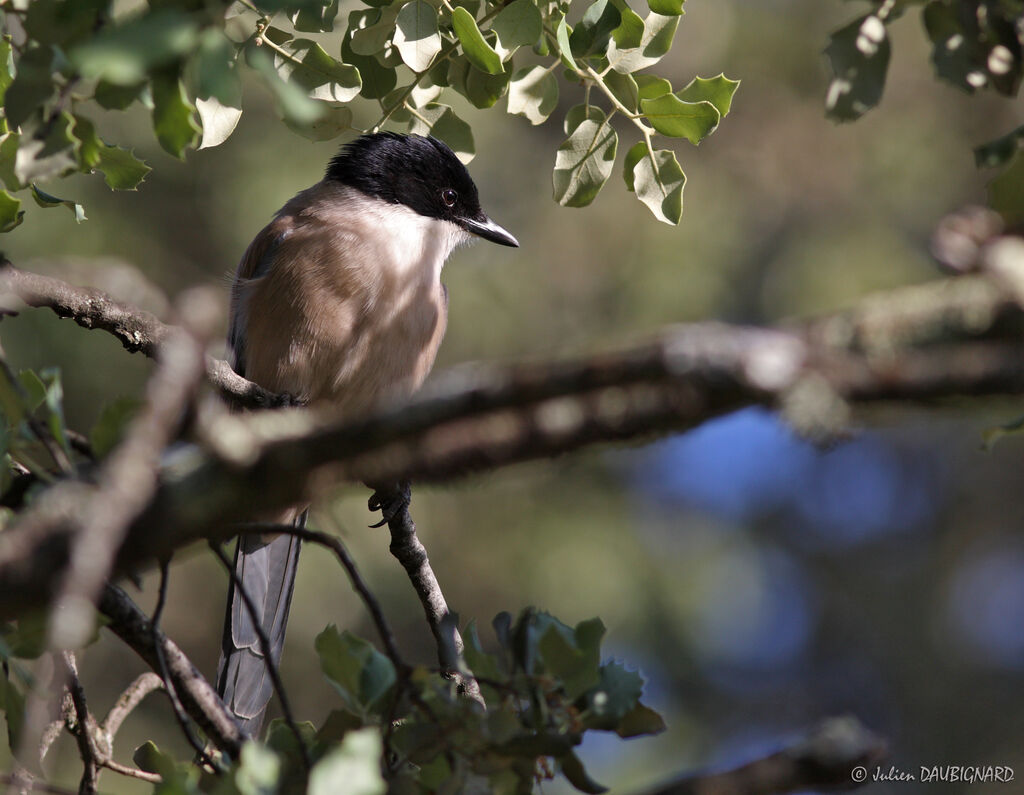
390,501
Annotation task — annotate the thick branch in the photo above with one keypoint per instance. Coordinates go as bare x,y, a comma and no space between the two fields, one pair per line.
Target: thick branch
835,755
951,338
197,696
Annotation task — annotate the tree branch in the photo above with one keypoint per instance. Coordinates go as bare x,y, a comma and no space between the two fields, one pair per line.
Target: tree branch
835,755
950,338
198,697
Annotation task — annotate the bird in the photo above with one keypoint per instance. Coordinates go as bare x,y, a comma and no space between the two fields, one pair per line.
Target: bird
338,304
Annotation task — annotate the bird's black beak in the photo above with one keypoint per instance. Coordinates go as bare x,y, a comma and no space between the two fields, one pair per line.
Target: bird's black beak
486,228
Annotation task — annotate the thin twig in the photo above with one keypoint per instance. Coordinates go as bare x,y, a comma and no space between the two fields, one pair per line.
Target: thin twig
172,693
265,648
82,729
132,696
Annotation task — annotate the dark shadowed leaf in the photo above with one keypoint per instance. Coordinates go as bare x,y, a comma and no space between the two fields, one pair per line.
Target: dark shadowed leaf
859,55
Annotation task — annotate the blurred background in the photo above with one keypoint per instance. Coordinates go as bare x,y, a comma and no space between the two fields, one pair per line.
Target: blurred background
757,582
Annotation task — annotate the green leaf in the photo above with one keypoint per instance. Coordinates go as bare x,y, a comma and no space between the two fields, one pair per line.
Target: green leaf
859,55
441,122
64,22
478,51
6,65
572,768
670,116
318,19
417,36
361,674
480,662
639,721
630,32
659,30
1000,150
8,158
649,86
175,127
218,121
576,667
112,423
214,68
332,122
11,214
659,184
32,86
353,767
583,163
624,89
519,24
377,80
482,89
1006,192
114,97
127,54
323,77
120,168
716,90
592,34
578,114
44,199
666,7
337,724
562,34
533,93
374,30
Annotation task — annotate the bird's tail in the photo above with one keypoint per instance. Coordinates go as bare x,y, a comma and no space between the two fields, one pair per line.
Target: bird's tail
265,566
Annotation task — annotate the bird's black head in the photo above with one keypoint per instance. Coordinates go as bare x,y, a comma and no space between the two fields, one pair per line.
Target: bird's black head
421,173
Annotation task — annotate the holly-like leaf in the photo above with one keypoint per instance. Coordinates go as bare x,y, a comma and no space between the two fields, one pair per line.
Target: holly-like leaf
649,86
624,89
173,121
716,90
533,93
584,162
32,86
675,118
374,29
476,49
658,183
417,36
859,55
592,34
54,155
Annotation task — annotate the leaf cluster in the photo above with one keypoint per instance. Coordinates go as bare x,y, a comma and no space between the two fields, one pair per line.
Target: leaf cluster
184,60
544,685
976,45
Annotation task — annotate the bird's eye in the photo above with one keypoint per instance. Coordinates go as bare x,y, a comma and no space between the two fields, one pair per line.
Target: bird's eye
449,197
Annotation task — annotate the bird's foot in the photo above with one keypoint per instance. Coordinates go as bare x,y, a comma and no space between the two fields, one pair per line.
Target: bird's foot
390,500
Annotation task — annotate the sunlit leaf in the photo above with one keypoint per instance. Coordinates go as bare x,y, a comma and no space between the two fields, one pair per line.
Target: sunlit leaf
519,24
44,199
377,80
659,184
441,122
670,116
352,767
309,66
476,49
533,94
592,33
11,213
667,7
417,36
218,121
650,86
38,159
656,41
360,674
718,91
583,163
